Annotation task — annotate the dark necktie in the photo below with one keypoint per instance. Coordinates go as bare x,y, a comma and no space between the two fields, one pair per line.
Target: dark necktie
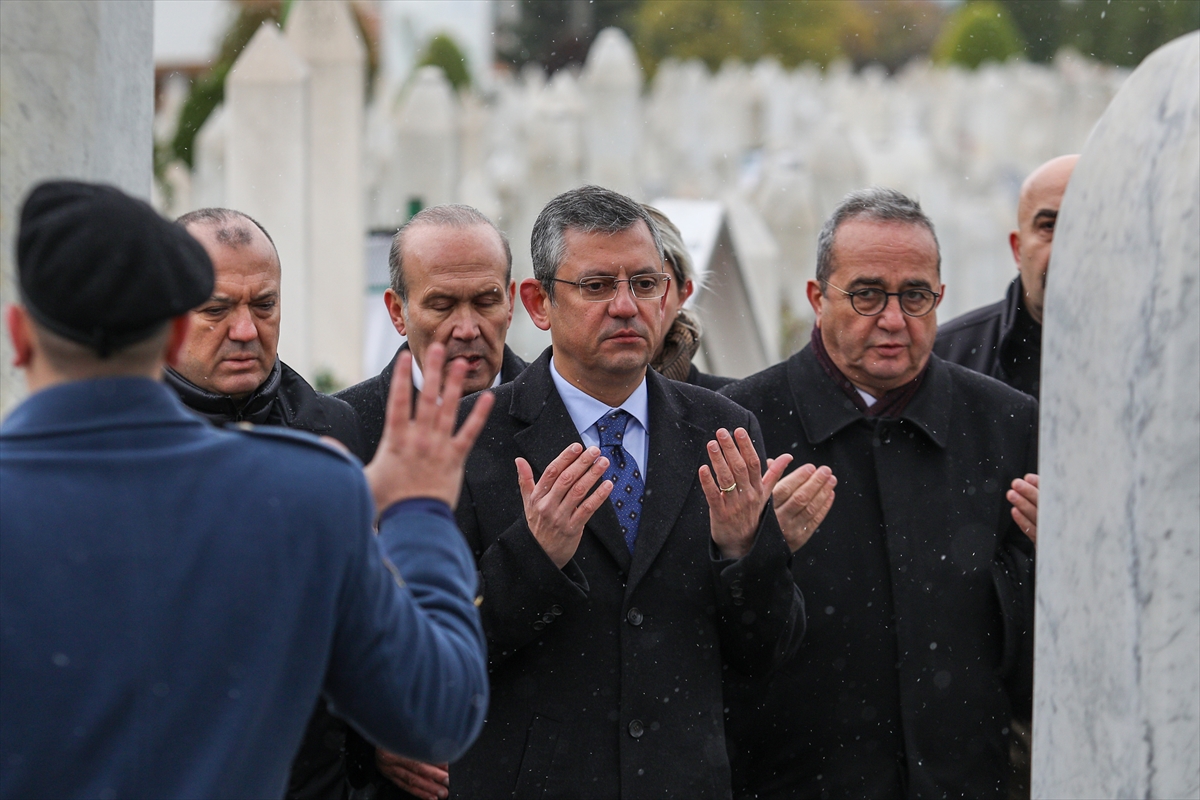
628,486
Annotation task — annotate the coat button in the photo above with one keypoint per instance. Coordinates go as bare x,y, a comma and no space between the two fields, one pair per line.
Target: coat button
537,626
556,610
636,729
634,616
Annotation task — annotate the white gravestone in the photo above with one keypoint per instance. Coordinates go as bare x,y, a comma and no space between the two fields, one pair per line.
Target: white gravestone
324,34
76,101
1117,689
267,171
612,114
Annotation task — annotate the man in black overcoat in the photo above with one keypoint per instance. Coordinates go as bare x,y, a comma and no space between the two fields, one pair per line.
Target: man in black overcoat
608,615
919,580
451,274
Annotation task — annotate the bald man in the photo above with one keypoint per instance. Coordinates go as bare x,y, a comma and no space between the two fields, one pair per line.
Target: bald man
1004,340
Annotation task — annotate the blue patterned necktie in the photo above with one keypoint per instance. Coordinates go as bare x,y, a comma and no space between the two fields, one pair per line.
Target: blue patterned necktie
628,486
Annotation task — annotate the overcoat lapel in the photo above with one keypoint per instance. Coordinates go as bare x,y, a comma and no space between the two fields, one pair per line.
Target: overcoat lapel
676,453
550,429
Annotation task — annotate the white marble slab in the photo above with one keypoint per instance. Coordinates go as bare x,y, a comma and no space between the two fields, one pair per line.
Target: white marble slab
1117,692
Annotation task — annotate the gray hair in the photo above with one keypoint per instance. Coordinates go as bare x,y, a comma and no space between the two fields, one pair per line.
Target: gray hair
449,215
230,225
674,251
588,209
878,205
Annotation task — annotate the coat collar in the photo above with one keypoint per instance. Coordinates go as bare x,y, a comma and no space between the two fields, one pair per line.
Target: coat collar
824,409
676,451
101,404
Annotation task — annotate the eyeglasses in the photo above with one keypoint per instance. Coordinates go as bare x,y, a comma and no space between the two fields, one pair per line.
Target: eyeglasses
602,288
871,302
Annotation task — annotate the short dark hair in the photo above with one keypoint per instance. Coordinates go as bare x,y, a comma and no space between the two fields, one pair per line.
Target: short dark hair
229,223
589,209
449,215
877,204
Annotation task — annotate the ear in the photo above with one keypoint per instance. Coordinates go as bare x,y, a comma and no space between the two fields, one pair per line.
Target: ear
512,296
395,307
177,339
1014,242
816,299
688,288
534,298
941,295
21,335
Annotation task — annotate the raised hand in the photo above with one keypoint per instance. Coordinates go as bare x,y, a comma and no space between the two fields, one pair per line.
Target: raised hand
737,491
558,505
419,454
802,499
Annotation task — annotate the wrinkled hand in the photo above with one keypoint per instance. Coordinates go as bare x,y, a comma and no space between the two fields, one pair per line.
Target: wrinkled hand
802,499
734,514
419,454
558,505
1024,498
427,781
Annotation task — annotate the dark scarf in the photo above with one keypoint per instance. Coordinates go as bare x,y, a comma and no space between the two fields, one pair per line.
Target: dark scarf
682,341
260,407
893,402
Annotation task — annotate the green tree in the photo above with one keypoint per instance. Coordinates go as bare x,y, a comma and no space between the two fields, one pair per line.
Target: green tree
443,52
714,30
977,32
555,33
1121,32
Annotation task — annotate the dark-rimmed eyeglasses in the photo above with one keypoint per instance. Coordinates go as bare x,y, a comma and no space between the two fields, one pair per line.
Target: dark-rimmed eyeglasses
602,288
871,302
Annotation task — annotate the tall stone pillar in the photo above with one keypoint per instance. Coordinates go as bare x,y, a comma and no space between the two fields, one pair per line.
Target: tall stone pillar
1117,687
324,35
266,171
76,101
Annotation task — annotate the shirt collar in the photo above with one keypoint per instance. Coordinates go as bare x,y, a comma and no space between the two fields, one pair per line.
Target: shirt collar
585,409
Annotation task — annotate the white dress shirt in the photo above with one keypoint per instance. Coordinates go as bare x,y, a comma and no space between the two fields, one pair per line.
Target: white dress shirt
586,410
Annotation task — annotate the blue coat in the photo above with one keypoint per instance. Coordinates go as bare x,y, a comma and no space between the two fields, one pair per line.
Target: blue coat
174,598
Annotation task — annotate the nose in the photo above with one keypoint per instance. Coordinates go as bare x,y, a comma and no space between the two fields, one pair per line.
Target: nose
465,326
624,305
241,326
891,318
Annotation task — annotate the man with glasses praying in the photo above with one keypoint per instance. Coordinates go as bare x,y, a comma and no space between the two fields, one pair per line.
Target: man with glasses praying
625,537
919,580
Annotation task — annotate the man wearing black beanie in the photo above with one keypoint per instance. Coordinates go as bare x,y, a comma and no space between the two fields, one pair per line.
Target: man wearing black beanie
176,597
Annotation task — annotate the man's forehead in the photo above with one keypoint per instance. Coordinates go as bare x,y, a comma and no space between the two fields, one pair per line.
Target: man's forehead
445,248
604,251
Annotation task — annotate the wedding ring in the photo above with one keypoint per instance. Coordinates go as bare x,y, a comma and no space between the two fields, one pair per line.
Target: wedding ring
730,489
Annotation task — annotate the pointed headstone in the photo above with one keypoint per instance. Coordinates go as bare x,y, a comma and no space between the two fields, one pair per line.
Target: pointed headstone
1116,689
326,36
612,113
267,175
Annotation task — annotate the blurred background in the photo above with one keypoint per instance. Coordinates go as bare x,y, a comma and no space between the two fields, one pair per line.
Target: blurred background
749,119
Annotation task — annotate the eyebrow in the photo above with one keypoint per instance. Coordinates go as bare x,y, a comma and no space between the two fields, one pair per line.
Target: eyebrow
227,300
1045,214
875,283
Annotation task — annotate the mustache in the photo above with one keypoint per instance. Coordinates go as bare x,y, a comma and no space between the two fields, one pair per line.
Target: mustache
465,351
241,351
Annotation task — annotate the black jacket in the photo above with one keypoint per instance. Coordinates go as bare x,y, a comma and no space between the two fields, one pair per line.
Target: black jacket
287,400
710,382
920,587
1001,341
606,674
369,398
